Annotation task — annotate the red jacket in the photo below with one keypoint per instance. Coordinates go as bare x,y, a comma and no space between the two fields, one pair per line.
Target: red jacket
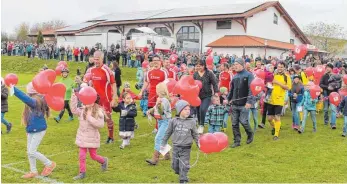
86,52
76,51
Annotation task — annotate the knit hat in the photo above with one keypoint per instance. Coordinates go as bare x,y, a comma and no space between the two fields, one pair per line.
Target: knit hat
240,61
180,105
267,67
126,85
30,89
223,89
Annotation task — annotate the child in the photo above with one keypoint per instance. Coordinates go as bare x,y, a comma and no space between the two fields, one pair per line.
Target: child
144,103
269,76
309,106
224,100
215,115
78,86
343,109
91,119
254,111
4,106
183,130
162,112
139,77
126,89
295,95
69,84
34,118
128,112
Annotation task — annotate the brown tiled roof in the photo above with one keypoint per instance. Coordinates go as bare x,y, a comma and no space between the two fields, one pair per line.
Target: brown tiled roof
249,41
50,32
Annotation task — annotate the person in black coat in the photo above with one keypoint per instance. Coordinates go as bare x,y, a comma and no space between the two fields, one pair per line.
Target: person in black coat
4,106
117,75
128,112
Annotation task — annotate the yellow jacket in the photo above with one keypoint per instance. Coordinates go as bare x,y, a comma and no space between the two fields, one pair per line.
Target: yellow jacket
278,93
303,78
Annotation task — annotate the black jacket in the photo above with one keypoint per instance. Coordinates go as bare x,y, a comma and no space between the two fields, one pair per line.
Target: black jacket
208,80
126,123
117,76
240,91
325,82
4,97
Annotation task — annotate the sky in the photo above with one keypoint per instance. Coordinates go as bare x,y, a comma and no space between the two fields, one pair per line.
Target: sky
13,12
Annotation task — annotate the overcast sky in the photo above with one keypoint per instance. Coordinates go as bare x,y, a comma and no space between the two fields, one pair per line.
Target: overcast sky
14,12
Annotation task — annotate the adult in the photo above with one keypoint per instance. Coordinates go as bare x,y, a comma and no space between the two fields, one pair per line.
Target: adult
62,53
209,81
242,100
326,84
29,48
171,74
298,71
117,76
103,80
76,52
86,53
153,78
281,83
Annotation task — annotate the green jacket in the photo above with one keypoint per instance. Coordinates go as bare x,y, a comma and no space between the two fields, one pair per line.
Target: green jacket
69,84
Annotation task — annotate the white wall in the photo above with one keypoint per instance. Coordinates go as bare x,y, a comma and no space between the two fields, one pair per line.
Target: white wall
249,51
89,40
66,40
261,25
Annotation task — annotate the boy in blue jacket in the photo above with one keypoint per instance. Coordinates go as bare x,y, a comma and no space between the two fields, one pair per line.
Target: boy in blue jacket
296,95
309,106
343,109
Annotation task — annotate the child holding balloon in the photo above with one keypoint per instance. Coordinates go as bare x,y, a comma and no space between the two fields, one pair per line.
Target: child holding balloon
69,84
34,118
309,106
88,137
183,130
128,112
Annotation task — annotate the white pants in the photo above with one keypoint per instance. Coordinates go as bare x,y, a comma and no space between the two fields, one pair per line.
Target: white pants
34,140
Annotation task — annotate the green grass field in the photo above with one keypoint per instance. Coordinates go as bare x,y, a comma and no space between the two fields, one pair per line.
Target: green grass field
310,157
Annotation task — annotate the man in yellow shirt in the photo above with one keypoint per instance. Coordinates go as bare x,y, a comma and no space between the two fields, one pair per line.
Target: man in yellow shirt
281,83
299,72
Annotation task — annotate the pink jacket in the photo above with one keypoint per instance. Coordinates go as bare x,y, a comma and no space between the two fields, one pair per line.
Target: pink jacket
88,135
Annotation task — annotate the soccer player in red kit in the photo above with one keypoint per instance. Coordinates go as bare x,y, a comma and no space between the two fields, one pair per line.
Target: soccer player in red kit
154,77
103,81
171,74
224,76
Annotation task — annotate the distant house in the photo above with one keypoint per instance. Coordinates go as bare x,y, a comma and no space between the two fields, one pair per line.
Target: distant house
48,35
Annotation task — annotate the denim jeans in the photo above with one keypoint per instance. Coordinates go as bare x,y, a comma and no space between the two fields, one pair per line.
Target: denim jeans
162,127
345,124
202,109
3,120
240,116
225,121
295,114
34,140
313,118
332,107
254,112
214,128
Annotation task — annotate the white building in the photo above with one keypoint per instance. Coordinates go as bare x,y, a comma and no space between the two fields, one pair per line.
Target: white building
265,29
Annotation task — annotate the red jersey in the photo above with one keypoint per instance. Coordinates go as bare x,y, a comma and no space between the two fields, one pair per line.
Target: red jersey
224,80
102,79
154,77
171,74
223,60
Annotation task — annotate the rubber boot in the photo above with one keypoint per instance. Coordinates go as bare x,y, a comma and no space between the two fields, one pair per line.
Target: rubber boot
155,158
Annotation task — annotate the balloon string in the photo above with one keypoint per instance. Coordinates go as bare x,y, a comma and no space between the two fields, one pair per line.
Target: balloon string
192,165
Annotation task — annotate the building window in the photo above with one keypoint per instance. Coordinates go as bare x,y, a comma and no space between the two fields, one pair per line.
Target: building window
275,19
189,34
162,31
224,24
131,31
292,41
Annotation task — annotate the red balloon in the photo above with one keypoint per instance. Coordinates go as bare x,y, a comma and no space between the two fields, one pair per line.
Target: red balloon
257,86
87,95
58,69
315,91
62,63
222,139
173,58
145,64
192,100
185,86
11,79
260,74
55,102
334,98
300,51
43,81
345,79
309,71
170,84
318,71
208,143
209,51
199,83
343,92
57,90
87,77
209,60
50,74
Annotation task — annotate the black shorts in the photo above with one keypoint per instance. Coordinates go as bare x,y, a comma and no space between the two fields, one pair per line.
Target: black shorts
273,110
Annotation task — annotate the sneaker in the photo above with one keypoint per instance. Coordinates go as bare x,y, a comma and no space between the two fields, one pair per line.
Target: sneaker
104,166
333,127
296,127
30,175
235,145
273,131
261,126
300,131
48,169
275,138
8,128
109,140
70,119
250,139
344,135
57,119
122,146
80,176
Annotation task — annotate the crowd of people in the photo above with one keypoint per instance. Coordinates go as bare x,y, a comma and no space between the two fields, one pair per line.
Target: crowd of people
225,93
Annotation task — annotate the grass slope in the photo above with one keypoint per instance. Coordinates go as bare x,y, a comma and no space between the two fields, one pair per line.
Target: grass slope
310,157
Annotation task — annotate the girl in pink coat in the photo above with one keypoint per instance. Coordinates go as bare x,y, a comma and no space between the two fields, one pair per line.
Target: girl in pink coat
91,119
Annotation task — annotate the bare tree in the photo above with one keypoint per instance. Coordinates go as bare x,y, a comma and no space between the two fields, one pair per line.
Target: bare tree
48,25
328,37
22,31
4,36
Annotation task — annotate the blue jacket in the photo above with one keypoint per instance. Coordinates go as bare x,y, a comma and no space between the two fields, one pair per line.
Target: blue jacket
307,102
299,93
37,121
343,106
139,75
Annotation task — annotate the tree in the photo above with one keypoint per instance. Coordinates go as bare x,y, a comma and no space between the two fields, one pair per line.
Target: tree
328,37
4,36
48,25
22,31
39,38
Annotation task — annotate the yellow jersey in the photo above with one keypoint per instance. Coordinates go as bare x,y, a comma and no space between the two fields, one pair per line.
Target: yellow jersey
278,93
303,78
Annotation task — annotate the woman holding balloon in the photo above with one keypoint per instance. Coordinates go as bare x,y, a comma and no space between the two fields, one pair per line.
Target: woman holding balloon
208,80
